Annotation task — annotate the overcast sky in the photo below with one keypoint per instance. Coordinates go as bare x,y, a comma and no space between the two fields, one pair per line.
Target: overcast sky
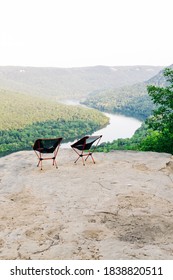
75,33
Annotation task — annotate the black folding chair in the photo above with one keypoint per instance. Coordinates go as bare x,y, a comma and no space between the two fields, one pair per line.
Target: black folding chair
85,147
48,146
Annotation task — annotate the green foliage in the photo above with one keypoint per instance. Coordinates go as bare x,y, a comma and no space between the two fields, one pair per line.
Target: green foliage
25,118
19,110
160,123
133,143
156,134
20,139
162,119
130,101
157,142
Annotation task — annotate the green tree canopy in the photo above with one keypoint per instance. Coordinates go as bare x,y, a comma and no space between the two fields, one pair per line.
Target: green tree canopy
160,123
162,118
156,133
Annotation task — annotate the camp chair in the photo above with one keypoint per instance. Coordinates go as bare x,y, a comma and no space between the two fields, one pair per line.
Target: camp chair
47,146
85,144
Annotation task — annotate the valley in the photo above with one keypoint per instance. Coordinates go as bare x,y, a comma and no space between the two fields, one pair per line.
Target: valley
32,101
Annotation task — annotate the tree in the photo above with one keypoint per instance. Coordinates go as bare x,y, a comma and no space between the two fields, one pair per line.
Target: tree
161,122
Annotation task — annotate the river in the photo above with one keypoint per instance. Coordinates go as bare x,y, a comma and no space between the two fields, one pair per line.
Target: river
119,127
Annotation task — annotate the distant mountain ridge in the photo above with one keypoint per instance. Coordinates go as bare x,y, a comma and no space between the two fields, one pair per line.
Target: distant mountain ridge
68,83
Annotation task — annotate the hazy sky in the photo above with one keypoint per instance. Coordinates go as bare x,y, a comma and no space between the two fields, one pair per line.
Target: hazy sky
70,33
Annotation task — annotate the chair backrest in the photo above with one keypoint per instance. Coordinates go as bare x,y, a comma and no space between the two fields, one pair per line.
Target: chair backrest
46,145
86,142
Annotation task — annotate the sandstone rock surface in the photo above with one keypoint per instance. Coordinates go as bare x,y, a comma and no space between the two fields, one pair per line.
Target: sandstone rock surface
119,208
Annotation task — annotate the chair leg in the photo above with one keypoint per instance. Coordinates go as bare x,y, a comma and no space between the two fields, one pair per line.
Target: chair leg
76,159
40,159
80,156
90,154
83,160
40,164
55,163
92,159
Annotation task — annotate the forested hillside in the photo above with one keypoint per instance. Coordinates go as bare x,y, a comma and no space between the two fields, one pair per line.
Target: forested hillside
128,100
25,118
156,133
29,108
71,83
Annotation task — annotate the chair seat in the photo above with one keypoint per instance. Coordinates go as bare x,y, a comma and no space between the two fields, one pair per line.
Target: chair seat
85,147
47,146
